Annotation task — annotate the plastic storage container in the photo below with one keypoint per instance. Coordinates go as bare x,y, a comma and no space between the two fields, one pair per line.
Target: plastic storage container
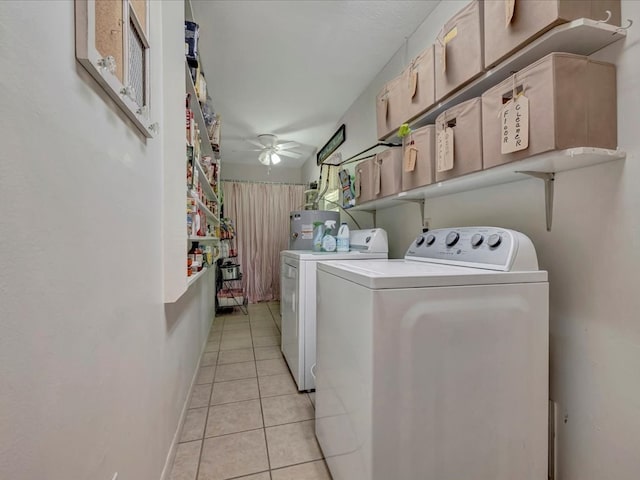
506,30
391,107
418,82
458,50
422,172
465,120
572,103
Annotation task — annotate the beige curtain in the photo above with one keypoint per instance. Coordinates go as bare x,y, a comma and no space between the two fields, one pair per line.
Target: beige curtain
260,212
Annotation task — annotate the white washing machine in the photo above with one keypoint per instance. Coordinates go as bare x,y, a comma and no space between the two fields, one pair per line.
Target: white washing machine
298,298
436,366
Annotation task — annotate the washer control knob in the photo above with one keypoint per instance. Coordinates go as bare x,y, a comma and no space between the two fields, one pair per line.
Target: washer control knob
452,238
477,240
431,238
494,240
419,241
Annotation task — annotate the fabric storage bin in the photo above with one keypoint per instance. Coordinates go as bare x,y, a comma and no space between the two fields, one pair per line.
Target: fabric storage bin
532,18
418,80
465,119
422,173
458,50
364,181
391,107
572,103
387,174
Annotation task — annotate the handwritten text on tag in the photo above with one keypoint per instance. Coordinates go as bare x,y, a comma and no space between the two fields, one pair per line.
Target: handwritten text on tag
514,118
444,160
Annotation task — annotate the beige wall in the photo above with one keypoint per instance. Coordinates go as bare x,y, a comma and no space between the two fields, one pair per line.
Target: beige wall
94,368
592,257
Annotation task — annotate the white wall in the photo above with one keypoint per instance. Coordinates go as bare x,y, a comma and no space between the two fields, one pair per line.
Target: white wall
260,173
94,368
591,255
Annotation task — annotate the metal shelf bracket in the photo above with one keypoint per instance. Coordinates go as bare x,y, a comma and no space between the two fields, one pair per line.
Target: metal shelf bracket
420,202
549,179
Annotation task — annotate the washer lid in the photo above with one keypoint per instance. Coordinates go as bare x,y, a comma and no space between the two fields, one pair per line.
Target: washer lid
308,255
386,274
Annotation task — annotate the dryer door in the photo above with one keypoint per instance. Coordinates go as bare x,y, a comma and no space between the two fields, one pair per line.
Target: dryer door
290,316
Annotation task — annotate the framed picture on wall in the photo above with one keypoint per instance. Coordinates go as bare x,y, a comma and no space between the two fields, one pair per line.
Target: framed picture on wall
331,146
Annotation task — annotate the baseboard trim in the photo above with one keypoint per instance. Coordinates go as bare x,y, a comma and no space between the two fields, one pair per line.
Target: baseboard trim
171,455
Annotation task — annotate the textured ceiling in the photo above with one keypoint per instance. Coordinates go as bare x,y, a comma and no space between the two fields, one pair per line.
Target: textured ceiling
293,68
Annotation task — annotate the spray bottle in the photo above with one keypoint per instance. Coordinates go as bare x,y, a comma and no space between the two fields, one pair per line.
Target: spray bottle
329,241
318,234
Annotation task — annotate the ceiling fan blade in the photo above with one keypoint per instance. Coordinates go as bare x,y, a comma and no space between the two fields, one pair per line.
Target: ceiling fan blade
287,145
287,153
254,142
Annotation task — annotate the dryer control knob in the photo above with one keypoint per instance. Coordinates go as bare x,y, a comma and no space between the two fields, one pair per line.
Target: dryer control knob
452,238
477,240
494,240
419,241
431,238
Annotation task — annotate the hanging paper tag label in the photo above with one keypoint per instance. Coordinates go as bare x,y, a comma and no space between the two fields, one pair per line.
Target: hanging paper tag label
413,86
385,107
444,160
410,157
509,8
453,33
514,118
378,176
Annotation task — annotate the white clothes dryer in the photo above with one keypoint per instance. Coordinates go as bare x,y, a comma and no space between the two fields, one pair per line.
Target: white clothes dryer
298,298
435,366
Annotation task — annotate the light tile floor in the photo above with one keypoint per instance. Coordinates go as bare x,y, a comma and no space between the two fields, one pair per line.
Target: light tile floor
246,419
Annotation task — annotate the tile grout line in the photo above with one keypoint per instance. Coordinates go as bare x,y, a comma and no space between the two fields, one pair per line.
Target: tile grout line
264,428
209,406
206,421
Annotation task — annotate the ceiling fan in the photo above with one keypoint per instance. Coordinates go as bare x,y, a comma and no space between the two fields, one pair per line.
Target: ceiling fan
270,150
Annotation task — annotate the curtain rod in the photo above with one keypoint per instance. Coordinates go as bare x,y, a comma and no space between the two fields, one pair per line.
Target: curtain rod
267,183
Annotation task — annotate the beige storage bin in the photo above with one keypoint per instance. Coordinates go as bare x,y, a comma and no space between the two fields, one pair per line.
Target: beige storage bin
466,121
532,18
391,107
388,175
419,83
458,50
423,140
572,103
364,181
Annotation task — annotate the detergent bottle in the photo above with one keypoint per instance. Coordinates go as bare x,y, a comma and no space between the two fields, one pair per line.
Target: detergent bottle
329,241
343,238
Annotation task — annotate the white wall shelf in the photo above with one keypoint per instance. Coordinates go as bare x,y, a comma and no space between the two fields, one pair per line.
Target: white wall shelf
196,276
206,186
203,207
582,37
545,164
195,238
207,149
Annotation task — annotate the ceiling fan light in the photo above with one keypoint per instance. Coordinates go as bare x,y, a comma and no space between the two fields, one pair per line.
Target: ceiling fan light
264,157
275,158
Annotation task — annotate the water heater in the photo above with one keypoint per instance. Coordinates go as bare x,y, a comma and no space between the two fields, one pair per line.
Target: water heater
301,227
